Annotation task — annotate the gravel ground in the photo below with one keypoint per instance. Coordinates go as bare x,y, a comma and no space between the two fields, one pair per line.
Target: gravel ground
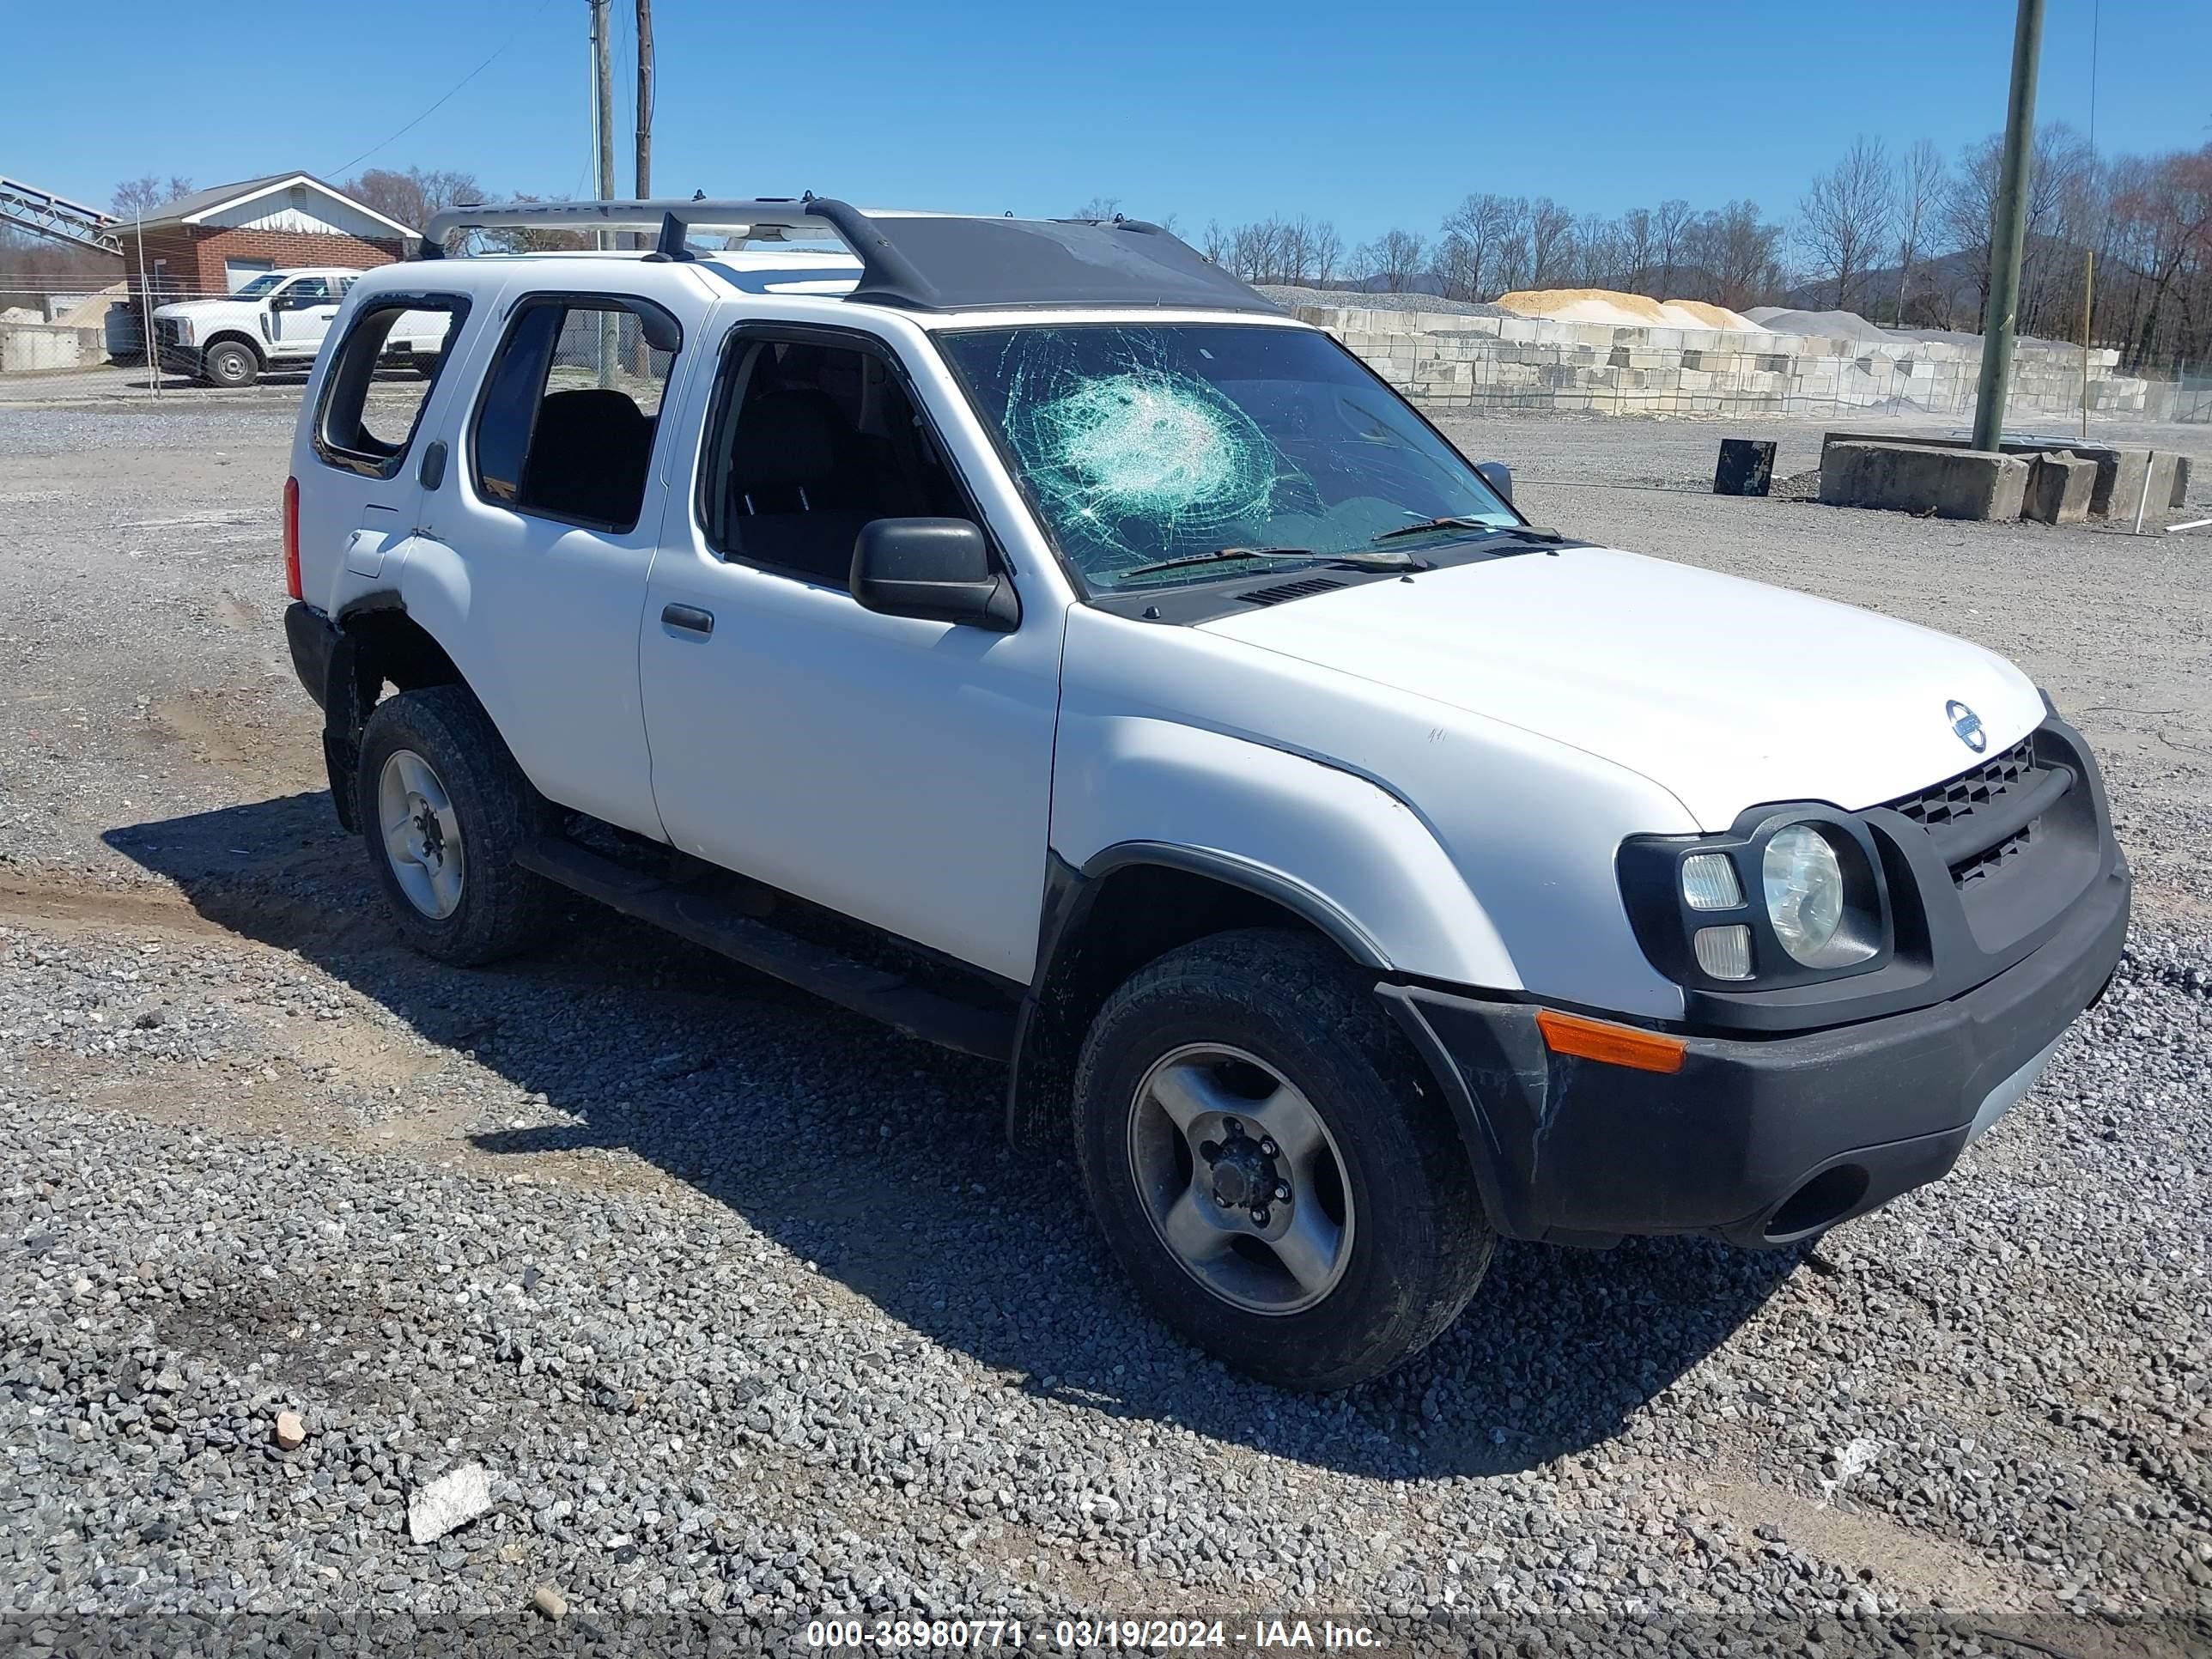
746,1311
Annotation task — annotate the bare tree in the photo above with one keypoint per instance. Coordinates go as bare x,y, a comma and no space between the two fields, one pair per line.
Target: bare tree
1297,250
1327,253
2172,212
1668,227
1455,264
1213,241
1395,257
414,195
1635,245
1845,217
1098,207
1551,237
135,198
1481,225
2057,162
1923,177
1735,248
1597,250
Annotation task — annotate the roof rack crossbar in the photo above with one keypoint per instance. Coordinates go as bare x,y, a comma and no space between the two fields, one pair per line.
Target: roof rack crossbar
767,219
924,261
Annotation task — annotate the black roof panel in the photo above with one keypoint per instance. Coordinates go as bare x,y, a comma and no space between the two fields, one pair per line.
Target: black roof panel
964,264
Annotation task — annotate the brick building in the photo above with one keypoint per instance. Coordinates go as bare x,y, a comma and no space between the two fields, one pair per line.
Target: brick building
215,240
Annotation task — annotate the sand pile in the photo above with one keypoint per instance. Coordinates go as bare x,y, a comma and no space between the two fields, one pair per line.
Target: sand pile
1606,308
1716,316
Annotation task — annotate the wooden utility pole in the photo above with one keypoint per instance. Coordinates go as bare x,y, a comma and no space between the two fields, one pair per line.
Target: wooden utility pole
644,101
603,129
2009,230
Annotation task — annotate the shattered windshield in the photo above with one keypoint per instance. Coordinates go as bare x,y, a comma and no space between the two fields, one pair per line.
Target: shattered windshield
1141,444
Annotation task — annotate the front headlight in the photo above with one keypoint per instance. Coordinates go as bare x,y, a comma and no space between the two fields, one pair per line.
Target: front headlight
1783,899
183,325
1804,884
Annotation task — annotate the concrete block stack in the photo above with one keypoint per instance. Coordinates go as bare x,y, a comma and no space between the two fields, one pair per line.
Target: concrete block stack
1456,360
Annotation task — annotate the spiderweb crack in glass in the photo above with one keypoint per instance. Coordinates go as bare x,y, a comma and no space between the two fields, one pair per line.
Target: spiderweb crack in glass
1164,449
1140,445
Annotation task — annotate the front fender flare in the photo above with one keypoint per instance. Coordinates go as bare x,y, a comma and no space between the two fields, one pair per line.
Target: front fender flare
1326,915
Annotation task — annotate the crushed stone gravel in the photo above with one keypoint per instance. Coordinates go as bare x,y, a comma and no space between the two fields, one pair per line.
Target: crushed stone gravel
750,1317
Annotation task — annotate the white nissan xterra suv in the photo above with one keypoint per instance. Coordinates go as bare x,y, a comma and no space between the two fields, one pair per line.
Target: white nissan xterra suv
1023,632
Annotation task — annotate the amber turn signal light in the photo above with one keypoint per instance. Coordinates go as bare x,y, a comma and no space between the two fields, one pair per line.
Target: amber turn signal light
1616,1045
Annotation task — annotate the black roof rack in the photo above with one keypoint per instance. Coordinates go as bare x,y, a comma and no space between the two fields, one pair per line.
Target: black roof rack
924,261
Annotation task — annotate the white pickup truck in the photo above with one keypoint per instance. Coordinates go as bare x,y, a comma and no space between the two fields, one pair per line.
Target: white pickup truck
1023,632
278,321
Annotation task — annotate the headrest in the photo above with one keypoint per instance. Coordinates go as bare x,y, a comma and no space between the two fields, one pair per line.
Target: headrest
785,438
586,409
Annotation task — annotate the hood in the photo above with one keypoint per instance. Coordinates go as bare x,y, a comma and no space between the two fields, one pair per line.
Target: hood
187,308
1727,693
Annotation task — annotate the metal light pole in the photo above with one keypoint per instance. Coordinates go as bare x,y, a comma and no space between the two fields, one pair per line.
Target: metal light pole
2009,230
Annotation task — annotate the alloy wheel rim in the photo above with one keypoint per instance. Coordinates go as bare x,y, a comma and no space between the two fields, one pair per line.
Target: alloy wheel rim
1240,1179
421,834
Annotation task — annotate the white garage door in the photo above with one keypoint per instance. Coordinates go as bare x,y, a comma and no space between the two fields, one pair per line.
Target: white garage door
237,273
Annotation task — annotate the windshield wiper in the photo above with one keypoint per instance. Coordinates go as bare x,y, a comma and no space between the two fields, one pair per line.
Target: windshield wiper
1391,560
1527,533
1220,554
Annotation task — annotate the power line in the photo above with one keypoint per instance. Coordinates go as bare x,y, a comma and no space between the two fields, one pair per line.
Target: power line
340,172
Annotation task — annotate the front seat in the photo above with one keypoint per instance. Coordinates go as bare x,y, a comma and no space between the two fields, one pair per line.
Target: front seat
791,500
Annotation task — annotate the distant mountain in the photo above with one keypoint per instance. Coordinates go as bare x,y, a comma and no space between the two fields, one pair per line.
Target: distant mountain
1946,293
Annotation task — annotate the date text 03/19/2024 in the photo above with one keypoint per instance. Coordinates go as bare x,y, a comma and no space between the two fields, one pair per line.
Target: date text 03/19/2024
987,1635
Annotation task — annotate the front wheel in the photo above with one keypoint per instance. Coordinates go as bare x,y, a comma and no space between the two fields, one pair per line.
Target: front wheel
228,363
1273,1170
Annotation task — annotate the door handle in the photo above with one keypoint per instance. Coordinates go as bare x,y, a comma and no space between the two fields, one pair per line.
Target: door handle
688,617
432,473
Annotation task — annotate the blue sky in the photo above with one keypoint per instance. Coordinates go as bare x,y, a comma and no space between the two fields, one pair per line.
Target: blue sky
1372,117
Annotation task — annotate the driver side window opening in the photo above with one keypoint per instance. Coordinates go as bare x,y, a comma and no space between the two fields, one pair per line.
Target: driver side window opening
811,441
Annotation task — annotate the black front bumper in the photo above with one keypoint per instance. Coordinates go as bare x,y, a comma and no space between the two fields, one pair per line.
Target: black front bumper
1759,1141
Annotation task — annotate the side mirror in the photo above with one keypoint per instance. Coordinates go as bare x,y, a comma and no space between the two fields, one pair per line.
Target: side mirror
1499,478
938,569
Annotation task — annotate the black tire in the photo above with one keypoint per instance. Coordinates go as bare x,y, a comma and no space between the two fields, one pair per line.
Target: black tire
1421,1241
501,907
230,363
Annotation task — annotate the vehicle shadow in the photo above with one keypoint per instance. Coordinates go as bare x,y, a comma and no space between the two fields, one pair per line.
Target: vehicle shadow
882,1161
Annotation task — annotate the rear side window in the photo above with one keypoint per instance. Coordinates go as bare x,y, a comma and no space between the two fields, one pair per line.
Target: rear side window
381,375
566,425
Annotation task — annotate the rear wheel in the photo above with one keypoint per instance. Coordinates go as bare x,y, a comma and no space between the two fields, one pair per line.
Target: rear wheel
443,810
230,363
1276,1173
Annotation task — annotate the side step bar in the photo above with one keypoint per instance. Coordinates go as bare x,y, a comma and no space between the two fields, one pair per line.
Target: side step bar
722,926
